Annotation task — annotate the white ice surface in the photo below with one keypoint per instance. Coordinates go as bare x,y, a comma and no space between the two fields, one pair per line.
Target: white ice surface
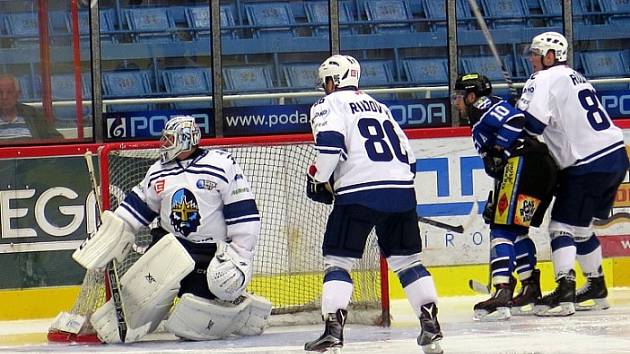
585,332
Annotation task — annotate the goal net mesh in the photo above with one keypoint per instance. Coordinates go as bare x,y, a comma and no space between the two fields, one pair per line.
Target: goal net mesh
288,263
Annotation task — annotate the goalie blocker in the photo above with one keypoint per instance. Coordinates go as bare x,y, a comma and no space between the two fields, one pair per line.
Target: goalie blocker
149,287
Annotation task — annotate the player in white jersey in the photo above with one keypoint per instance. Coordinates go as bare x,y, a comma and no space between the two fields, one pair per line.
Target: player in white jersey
525,176
208,224
562,105
366,166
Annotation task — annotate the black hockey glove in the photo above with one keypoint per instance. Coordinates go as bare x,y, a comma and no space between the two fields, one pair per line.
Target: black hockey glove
488,211
317,191
493,165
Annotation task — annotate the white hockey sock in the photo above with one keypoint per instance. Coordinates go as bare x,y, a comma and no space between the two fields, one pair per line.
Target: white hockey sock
589,255
563,260
420,292
591,263
335,295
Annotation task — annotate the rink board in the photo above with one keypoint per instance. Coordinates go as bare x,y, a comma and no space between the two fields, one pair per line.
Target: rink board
450,281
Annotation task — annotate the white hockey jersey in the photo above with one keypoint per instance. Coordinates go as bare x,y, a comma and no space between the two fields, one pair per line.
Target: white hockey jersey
365,152
203,199
561,104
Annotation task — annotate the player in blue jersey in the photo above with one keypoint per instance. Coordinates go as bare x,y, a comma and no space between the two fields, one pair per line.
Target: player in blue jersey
524,174
207,229
562,106
366,167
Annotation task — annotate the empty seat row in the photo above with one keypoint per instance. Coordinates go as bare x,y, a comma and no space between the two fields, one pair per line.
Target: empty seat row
286,19
303,76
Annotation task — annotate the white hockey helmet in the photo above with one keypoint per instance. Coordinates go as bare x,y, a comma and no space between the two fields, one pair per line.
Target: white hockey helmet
344,70
555,41
181,134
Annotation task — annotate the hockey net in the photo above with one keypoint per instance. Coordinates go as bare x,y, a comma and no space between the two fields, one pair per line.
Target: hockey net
288,262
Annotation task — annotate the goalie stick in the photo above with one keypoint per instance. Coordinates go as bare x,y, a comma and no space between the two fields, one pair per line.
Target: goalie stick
112,280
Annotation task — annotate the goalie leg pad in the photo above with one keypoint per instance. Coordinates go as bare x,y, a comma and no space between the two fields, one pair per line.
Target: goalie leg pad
151,284
196,318
105,323
258,313
113,239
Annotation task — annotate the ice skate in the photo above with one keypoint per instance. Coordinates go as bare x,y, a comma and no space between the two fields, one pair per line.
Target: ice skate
560,302
430,333
523,303
332,339
592,296
497,307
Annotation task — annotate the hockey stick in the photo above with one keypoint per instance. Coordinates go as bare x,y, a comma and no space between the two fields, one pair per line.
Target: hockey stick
486,33
112,273
459,228
478,287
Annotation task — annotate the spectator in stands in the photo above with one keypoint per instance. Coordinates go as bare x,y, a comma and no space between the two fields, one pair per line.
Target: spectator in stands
18,121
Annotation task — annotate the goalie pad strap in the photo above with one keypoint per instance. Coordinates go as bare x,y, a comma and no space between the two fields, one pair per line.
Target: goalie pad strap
113,239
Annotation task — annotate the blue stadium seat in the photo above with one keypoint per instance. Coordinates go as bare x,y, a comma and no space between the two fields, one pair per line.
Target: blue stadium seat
619,11
23,28
317,15
150,24
302,76
435,11
198,19
426,71
127,84
487,65
553,9
26,87
106,23
274,18
188,81
389,10
505,13
610,63
63,88
248,79
376,73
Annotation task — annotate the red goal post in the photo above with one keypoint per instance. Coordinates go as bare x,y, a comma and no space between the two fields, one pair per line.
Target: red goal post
288,266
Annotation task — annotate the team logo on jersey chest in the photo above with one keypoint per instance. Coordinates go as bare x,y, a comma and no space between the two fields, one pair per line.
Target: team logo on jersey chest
206,184
184,215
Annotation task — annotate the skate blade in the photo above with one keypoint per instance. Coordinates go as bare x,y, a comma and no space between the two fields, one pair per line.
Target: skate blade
333,350
563,309
592,305
432,348
526,310
501,314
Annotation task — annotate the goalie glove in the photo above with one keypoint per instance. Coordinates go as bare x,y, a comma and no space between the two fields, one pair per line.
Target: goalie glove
228,273
317,191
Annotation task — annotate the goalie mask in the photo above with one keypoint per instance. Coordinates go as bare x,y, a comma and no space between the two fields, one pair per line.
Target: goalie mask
181,134
544,42
343,70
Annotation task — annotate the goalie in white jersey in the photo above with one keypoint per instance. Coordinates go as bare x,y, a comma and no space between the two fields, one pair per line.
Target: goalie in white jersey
365,165
561,104
202,250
